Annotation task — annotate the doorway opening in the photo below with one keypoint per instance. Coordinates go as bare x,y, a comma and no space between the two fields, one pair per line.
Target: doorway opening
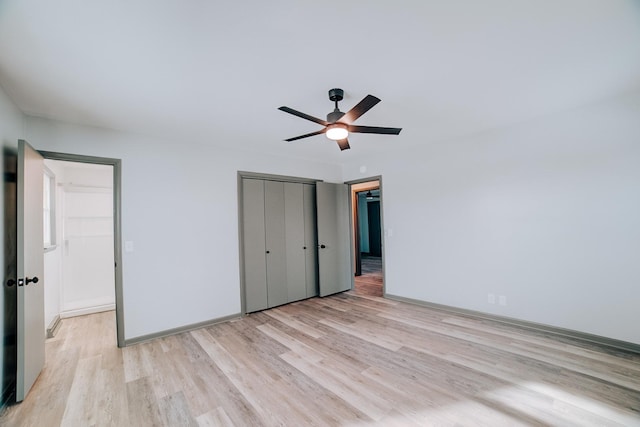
366,210
82,260
78,231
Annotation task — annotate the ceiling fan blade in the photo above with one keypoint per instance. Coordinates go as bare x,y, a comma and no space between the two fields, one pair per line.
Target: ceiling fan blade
374,129
343,144
295,138
303,115
363,106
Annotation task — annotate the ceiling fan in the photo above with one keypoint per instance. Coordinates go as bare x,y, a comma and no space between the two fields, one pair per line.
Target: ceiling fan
371,196
339,124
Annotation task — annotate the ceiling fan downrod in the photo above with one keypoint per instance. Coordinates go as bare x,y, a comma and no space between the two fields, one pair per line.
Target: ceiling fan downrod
335,95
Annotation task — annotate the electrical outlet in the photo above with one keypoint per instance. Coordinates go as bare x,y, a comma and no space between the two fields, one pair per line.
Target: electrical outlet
502,300
491,299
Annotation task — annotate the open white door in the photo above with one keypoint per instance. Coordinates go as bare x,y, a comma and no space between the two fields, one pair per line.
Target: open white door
334,238
31,328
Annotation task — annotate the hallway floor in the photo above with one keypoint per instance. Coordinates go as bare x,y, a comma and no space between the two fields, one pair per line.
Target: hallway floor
370,282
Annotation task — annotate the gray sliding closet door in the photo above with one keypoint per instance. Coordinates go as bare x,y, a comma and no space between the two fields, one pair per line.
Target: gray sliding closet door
274,220
334,238
310,240
279,242
294,237
255,266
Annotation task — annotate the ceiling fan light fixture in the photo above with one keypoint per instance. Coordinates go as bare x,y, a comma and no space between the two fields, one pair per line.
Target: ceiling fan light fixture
337,131
339,125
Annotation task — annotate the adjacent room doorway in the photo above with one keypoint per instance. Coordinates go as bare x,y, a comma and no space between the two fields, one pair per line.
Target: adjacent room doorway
79,240
89,239
366,211
34,190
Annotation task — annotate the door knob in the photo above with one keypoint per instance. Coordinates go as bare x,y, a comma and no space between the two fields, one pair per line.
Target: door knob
322,246
27,280
11,282
268,251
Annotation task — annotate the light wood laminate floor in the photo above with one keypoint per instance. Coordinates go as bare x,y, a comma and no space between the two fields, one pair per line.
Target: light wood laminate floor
346,360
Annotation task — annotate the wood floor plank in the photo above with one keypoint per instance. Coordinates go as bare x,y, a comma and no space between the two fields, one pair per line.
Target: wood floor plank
367,335
252,379
352,359
222,394
144,408
292,322
539,352
136,365
176,412
346,388
52,388
215,418
298,347
82,407
548,343
112,404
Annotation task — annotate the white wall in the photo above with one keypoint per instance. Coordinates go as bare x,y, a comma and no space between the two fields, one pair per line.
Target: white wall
52,272
546,213
180,210
53,257
87,245
11,129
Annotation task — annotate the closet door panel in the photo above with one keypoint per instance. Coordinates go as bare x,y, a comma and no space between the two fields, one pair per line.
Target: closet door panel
274,220
255,267
294,236
334,237
310,240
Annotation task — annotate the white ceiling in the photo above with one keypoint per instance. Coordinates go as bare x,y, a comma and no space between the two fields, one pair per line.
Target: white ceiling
216,71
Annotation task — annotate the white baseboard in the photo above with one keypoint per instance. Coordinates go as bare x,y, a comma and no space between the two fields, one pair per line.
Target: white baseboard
54,326
87,310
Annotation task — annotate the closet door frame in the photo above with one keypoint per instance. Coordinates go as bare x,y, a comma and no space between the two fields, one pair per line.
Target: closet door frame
267,177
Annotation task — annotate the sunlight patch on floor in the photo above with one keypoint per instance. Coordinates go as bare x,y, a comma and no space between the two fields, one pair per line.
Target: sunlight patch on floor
524,404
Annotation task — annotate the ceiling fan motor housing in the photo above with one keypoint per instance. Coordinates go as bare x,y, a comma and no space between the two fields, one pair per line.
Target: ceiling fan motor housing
334,116
336,94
